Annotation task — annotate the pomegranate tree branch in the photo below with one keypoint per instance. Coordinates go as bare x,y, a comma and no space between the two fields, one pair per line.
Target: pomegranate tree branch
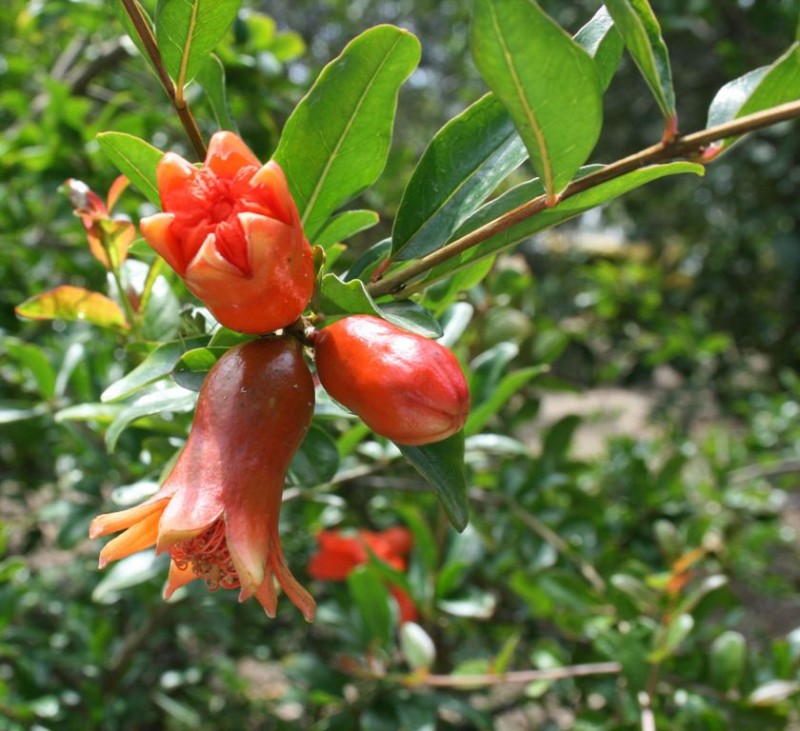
145,33
691,147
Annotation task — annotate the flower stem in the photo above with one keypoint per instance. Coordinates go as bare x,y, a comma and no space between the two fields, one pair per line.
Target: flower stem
145,33
689,147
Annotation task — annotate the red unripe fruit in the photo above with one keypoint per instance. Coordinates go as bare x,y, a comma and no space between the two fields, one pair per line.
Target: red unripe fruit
405,387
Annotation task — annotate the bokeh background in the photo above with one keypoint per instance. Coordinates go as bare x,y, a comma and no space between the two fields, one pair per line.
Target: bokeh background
634,504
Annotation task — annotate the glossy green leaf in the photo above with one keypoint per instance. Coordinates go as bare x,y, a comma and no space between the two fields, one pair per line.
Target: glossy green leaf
211,77
371,597
174,399
344,226
74,304
129,571
756,91
191,368
188,30
727,660
363,267
136,159
638,26
130,29
694,595
410,316
158,364
547,82
773,692
345,298
565,210
317,459
442,465
12,410
601,40
500,395
463,164
335,143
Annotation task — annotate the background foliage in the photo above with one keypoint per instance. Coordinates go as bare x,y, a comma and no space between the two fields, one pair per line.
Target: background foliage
668,546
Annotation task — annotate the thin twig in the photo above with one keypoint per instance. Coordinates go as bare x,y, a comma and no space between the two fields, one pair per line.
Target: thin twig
145,33
689,147
518,676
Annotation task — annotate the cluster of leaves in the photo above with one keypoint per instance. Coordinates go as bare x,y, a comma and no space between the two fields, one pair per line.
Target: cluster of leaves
634,561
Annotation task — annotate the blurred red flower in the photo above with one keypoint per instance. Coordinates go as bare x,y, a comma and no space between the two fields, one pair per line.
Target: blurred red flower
339,553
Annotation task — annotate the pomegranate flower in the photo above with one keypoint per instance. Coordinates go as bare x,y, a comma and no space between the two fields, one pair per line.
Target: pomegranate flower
231,230
340,553
217,512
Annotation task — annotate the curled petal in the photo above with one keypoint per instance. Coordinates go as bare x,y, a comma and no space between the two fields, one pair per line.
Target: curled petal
209,272
267,596
272,182
173,173
227,154
156,231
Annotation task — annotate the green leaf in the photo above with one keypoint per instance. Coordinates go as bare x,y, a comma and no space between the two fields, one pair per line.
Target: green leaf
442,465
601,40
344,226
363,267
13,411
317,460
212,78
191,368
336,141
74,304
134,158
773,692
34,359
566,209
174,399
158,364
130,29
699,592
345,298
412,317
756,91
371,597
463,164
727,660
638,25
500,395
547,82
188,30
669,638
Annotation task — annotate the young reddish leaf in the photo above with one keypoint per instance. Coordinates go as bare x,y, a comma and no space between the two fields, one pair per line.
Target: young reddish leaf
74,304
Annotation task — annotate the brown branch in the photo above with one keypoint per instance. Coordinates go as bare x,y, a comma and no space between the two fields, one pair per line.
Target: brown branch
469,682
689,147
145,33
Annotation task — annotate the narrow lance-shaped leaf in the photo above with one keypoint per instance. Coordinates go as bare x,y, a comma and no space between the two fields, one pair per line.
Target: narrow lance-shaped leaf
442,465
601,40
74,304
547,82
757,90
638,25
336,141
188,30
211,77
134,158
565,210
463,164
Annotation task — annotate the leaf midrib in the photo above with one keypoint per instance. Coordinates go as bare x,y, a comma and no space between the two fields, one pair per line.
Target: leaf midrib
547,172
342,137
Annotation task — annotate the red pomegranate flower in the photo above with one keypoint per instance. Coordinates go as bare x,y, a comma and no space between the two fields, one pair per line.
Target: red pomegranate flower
231,230
340,553
217,512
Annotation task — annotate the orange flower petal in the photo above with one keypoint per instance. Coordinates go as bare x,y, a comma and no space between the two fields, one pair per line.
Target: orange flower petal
177,578
107,523
227,154
173,173
139,536
156,231
267,596
272,182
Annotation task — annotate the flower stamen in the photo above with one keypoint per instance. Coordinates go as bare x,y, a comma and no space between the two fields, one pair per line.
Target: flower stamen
209,557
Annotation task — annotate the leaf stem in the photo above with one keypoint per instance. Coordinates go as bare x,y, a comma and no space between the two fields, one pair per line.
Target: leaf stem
690,147
145,33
